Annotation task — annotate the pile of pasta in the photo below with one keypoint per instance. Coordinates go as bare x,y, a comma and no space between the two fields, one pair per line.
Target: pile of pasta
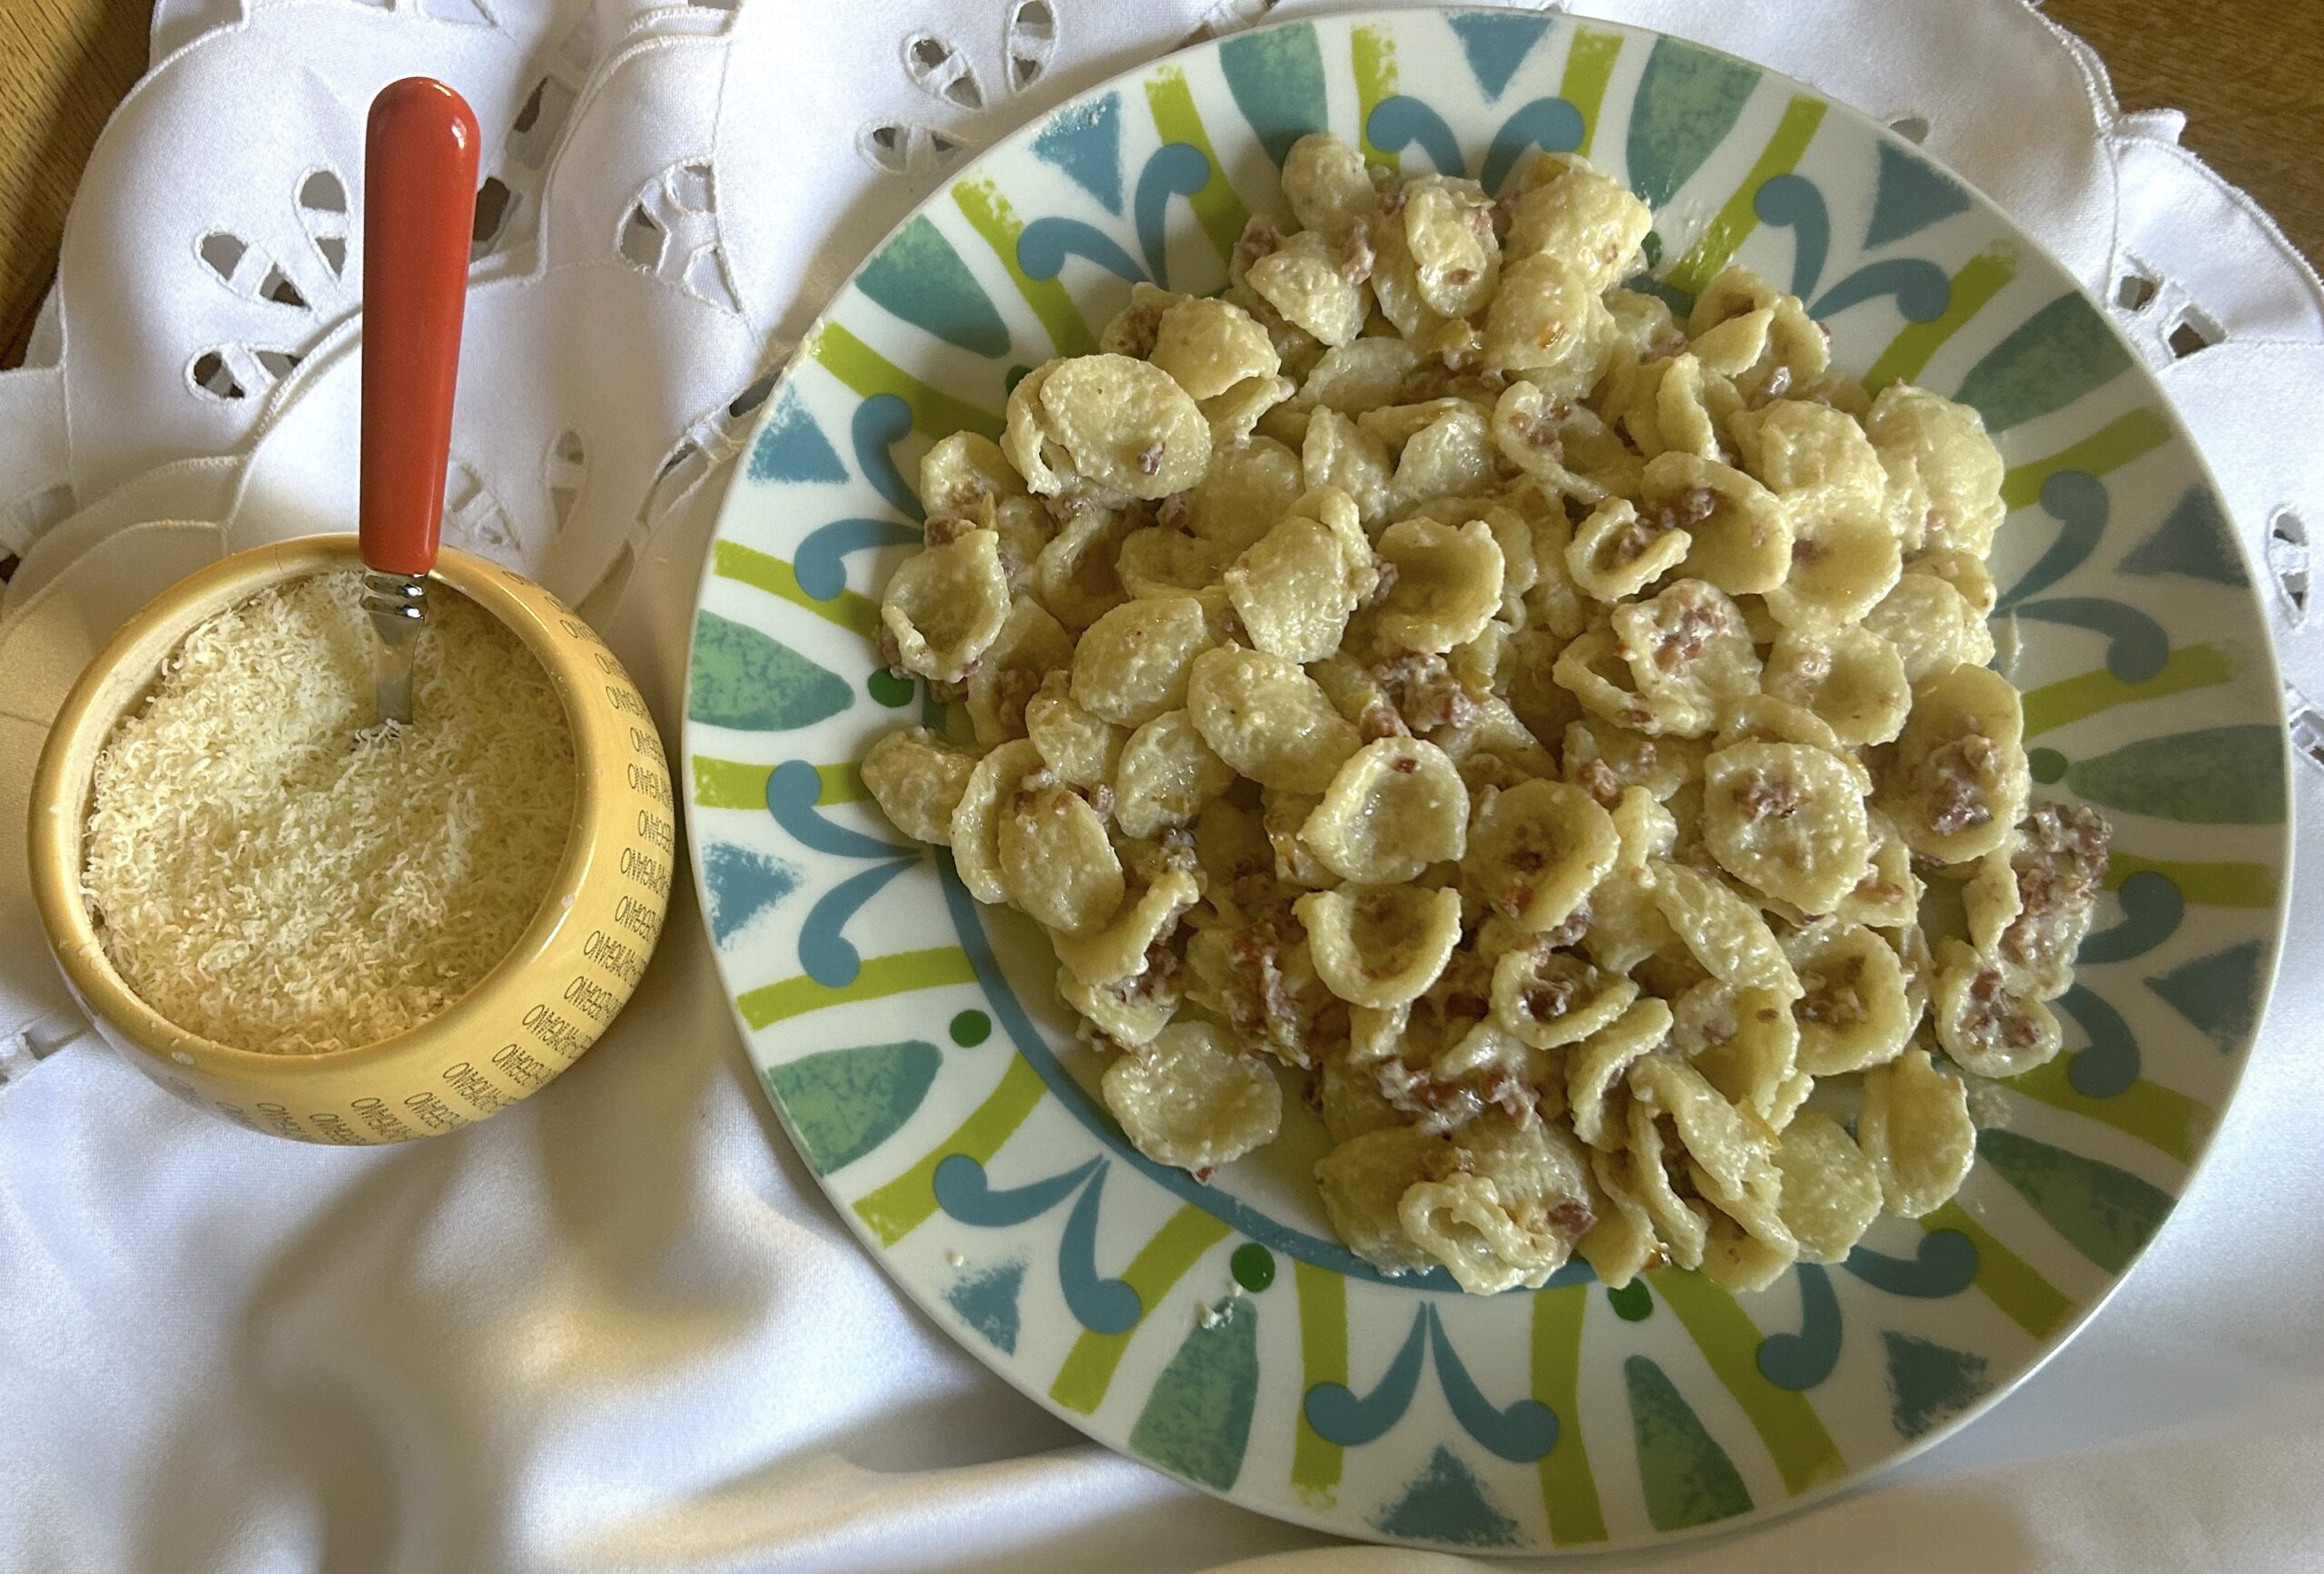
1434,667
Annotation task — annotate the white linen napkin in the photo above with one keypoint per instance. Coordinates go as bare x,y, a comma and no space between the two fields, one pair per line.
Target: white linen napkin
619,1328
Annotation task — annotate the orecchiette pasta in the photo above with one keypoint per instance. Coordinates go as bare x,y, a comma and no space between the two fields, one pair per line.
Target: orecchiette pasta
945,606
1788,819
1131,664
917,780
1958,781
1110,425
1380,945
1831,1192
1432,670
1394,807
1167,773
1080,746
1916,1129
1056,859
1536,851
1852,1015
1188,1098
1267,719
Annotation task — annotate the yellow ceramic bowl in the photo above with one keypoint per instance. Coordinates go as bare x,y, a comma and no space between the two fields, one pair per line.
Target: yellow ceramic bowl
530,1017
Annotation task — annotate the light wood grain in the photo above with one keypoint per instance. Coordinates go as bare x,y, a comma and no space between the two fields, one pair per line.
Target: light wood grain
64,64
2250,73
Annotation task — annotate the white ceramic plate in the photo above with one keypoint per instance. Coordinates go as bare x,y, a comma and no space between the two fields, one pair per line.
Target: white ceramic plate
912,1044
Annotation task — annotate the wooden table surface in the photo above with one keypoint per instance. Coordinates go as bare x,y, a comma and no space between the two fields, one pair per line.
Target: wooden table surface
2250,73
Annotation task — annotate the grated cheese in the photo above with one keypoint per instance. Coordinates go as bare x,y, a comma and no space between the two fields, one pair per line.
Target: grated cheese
270,870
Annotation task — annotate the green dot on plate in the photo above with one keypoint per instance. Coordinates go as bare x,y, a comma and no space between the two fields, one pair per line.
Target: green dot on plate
2047,765
888,688
971,1028
1254,1267
1633,1303
1016,374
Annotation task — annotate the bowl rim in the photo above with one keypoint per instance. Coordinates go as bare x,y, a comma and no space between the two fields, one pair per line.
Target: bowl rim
54,836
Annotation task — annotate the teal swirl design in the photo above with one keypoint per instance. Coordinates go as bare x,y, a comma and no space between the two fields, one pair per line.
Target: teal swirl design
1523,1430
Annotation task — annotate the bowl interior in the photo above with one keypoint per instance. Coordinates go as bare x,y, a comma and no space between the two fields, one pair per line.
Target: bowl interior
120,678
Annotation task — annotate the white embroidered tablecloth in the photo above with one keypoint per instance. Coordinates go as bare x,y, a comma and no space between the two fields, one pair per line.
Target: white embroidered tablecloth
619,1328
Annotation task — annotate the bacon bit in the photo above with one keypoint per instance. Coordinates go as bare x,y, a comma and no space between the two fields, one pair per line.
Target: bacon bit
1837,999
943,529
1805,551
1387,571
1526,860
1458,277
1992,1015
889,654
1687,637
1680,510
1440,1107
1876,888
1175,849
1101,799
1171,512
1550,335
1571,1219
1380,721
1598,779
1964,770
1549,998
1766,796
1443,1163
1570,932
1424,692
2058,870
1393,203
1540,432
1149,462
1357,256
1481,222
1405,764
1258,238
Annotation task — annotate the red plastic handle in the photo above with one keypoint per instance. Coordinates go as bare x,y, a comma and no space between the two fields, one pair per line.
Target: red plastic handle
418,209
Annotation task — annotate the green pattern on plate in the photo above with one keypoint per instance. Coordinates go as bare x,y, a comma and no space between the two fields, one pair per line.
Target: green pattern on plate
2107,1212
843,1103
1197,1418
744,679
1446,1503
897,1026
1687,1478
1930,1384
